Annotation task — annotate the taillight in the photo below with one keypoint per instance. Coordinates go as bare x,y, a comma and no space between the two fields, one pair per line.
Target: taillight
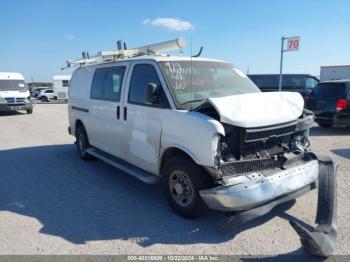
342,104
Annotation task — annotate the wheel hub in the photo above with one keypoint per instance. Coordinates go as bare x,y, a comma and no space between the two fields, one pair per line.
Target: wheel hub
181,188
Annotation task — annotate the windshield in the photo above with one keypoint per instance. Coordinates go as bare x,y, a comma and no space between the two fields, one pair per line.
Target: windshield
208,80
12,85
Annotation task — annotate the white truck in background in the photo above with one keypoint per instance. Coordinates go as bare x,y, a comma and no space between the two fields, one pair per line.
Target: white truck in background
334,72
60,86
14,93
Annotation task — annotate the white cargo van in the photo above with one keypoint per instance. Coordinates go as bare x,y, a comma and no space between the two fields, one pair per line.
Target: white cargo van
14,93
205,131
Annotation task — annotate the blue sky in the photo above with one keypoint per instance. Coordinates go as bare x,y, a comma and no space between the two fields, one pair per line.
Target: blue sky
37,37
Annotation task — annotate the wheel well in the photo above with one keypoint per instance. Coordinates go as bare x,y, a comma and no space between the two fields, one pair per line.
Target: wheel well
173,152
78,124
176,152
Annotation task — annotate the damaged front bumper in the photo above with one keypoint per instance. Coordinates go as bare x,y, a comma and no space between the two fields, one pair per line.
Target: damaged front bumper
254,189
259,196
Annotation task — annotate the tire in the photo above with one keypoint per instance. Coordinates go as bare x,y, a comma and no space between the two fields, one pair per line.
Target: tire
183,174
30,111
82,143
324,125
44,99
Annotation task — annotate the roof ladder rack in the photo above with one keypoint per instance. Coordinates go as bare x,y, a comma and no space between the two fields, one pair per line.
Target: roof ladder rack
122,52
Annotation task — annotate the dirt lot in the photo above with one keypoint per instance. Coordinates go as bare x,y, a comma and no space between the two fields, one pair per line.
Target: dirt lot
51,202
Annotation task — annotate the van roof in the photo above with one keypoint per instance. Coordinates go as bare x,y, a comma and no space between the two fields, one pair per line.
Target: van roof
11,76
163,58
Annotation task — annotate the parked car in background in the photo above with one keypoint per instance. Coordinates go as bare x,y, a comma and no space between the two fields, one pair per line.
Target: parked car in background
46,95
36,91
301,83
330,102
14,93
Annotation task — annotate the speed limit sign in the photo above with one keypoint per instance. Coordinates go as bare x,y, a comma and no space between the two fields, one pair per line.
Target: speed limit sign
293,43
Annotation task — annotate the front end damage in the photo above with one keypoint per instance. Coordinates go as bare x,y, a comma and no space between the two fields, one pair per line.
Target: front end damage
247,191
260,168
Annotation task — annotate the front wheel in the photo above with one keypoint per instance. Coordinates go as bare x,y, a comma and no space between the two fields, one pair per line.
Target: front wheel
182,180
30,111
82,143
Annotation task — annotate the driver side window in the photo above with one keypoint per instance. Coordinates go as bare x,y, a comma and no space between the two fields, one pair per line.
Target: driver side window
142,75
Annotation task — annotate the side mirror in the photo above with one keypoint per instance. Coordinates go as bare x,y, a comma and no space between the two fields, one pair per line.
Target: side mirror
152,93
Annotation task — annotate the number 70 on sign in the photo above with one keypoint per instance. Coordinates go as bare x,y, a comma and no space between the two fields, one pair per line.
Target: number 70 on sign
292,43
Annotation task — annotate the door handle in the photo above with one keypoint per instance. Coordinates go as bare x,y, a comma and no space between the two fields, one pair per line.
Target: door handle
118,112
125,113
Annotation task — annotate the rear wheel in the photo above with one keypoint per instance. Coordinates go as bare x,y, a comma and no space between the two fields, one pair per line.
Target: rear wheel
325,125
182,180
82,143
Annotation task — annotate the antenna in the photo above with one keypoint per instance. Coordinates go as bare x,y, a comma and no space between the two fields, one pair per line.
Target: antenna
199,53
191,90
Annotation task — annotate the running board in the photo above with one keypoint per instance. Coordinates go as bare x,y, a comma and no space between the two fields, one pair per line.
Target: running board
122,165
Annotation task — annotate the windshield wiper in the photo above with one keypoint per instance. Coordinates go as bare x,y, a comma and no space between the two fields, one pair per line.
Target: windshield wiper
192,101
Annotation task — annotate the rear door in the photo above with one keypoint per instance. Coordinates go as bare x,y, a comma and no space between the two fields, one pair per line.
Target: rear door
49,94
106,129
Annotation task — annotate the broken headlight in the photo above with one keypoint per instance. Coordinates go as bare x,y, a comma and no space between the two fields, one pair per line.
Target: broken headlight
216,148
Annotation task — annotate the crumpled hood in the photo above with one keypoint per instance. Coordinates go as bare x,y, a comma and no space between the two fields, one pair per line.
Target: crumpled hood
258,109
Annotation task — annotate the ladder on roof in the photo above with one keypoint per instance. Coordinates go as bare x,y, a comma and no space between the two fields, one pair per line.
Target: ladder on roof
123,52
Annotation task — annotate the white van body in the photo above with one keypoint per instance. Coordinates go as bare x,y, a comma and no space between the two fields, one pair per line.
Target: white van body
14,93
61,86
146,139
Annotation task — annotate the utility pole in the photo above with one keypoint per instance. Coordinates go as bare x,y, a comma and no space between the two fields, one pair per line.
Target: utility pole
281,65
292,45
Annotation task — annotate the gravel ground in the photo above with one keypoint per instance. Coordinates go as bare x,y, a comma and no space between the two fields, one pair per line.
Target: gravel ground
51,202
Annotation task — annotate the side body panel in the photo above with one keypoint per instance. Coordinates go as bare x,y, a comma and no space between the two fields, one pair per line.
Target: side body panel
143,127
79,99
191,132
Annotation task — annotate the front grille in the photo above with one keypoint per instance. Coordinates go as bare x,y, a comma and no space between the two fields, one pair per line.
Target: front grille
10,100
14,101
20,100
256,134
247,166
